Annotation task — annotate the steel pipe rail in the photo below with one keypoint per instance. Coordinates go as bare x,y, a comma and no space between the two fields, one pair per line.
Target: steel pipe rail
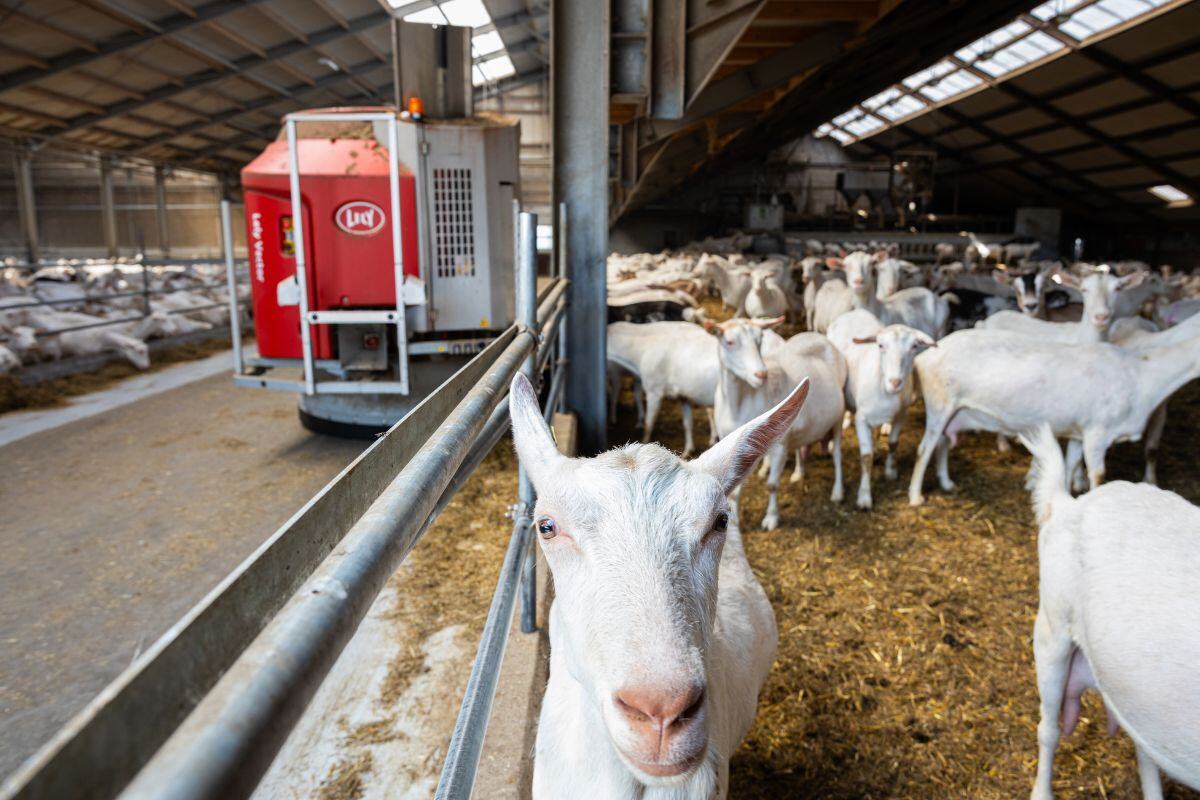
228,742
517,573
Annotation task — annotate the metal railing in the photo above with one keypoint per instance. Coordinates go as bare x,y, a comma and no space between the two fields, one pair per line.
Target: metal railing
145,293
205,710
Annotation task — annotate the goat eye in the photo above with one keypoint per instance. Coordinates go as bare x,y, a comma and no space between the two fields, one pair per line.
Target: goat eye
547,528
721,523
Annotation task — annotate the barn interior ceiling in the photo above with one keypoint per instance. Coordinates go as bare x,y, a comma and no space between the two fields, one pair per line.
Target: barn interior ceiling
203,84
1090,104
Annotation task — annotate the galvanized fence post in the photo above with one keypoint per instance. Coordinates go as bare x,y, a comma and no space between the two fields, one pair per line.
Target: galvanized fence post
527,317
564,272
235,313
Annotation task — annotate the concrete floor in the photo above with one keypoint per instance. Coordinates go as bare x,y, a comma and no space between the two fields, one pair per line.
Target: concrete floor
114,525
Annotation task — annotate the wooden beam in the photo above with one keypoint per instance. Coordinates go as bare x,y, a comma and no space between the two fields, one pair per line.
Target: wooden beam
116,14
79,41
238,39
283,22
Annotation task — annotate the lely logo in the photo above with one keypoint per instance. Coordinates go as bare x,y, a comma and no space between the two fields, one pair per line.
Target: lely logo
359,218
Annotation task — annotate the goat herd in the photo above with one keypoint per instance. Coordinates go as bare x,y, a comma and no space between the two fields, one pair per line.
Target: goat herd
661,636
87,307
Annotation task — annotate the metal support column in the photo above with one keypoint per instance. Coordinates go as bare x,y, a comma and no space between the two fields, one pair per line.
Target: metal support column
579,79
108,209
27,204
160,210
527,317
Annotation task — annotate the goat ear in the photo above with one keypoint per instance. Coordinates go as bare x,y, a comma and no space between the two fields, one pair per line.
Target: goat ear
731,458
924,339
763,322
534,442
1132,279
833,262
1066,279
866,340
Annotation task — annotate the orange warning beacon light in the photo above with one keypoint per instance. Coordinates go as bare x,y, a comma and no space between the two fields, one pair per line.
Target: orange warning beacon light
416,107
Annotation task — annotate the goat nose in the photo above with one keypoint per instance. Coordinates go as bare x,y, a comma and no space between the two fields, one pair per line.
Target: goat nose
893,383
658,707
762,376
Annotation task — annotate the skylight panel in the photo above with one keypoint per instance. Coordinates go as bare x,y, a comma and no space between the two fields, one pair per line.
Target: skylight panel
924,76
841,136
496,68
886,96
841,119
991,58
824,130
1176,198
861,127
477,76
901,108
428,16
486,43
1044,42
470,13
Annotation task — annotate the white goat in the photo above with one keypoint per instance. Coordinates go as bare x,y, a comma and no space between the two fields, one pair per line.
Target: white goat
660,634
671,360
879,386
835,296
1007,383
749,384
765,298
917,307
1099,291
732,283
1117,612
814,275
1141,288
895,275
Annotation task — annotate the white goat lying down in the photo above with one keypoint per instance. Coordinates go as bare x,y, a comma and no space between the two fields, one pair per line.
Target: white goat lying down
751,381
660,635
670,359
879,387
1117,613
1007,383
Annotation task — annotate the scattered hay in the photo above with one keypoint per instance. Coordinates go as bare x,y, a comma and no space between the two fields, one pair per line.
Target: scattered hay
905,663
346,779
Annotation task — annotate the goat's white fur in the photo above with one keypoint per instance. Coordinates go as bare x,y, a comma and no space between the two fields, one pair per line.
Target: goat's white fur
648,591
879,386
1006,383
1117,612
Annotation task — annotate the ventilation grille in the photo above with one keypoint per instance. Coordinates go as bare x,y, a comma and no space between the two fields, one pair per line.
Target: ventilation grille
454,223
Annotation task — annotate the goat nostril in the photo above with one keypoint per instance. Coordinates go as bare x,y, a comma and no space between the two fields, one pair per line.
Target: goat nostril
659,708
762,376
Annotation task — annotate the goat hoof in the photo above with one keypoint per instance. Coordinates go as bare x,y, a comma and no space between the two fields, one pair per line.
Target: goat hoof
916,500
891,474
796,478
948,486
770,522
836,495
686,454
863,503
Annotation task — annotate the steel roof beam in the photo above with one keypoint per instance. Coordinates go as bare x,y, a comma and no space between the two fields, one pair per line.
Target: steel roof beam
204,79
125,42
